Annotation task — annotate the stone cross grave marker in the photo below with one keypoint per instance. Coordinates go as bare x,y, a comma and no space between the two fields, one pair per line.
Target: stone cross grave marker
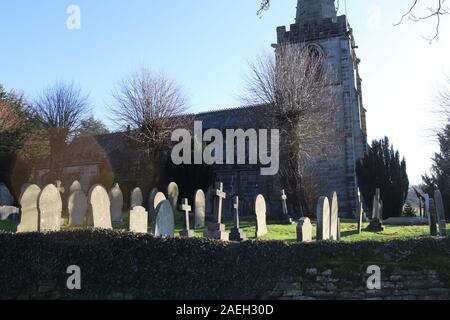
6,198
261,211
78,206
237,234
440,212
217,230
29,221
138,220
137,199
186,208
304,230
286,218
100,206
334,216
50,209
323,219
116,199
165,220
200,209
172,194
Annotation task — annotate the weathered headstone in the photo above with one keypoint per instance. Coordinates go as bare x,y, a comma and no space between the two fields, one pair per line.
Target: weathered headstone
200,207
286,217
261,211
78,206
172,195
29,221
186,208
50,209
304,230
237,234
75,186
323,219
376,224
334,216
138,220
165,220
6,198
217,230
137,199
100,206
440,212
116,199
433,219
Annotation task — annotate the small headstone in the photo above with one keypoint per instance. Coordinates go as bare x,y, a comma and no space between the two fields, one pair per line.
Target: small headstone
116,199
433,219
286,217
186,208
237,234
100,205
261,211
6,198
217,230
172,195
29,221
137,199
75,186
334,217
78,206
440,212
323,219
304,230
165,220
138,220
200,206
50,209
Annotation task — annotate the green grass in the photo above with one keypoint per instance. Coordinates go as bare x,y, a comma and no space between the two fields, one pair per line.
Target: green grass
283,232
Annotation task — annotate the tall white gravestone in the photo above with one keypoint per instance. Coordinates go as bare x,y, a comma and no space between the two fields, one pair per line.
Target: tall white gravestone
261,211
200,209
100,206
172,195
334,217
29,221
50,209
78,206
323,219
116,199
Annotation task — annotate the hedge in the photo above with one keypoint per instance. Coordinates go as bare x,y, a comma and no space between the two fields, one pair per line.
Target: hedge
144,267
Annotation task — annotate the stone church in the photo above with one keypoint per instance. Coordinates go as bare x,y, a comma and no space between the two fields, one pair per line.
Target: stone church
317,24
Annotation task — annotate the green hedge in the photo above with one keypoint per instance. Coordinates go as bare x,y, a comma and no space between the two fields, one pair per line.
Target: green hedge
144,267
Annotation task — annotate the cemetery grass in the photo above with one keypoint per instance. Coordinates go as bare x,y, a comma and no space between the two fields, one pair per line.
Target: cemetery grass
282,232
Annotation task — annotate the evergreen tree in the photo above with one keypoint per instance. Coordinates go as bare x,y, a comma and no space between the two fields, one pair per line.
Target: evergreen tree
382,168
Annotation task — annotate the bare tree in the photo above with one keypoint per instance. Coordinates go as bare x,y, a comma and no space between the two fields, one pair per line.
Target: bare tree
149,107
59,110
299,90
9,121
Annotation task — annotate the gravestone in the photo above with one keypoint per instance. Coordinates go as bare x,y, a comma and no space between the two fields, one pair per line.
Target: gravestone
334,216
426,205
138,220
165,220
116,200
186,208
9,213
237,234
160,197
29,221
323,219
286,218
6,198
376,224
261,211
338,230
217,230
50,209
440,212
75,186
360,216
172,195
137,199
304,230
200,209
23,188
100,206
151,205
433,219
78,206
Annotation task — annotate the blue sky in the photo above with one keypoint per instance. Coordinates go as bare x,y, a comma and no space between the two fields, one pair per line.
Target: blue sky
205,45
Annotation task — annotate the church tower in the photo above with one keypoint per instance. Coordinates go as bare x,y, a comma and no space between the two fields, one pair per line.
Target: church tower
317,23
